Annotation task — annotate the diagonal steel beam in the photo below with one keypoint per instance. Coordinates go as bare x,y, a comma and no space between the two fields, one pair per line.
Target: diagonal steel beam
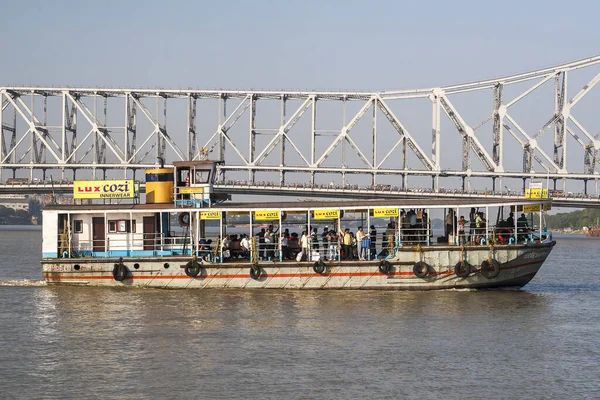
284,129
468,134
157,128
96,127
340,137
32,124
410,141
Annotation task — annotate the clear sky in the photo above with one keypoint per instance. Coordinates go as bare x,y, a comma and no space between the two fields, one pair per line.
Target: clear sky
288,44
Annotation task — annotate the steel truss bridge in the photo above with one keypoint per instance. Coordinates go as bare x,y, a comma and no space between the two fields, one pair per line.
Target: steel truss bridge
492,132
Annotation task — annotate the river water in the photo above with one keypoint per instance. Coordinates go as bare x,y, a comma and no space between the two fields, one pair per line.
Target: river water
76,342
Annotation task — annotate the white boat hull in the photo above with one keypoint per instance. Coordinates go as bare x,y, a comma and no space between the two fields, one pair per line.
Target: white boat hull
518,265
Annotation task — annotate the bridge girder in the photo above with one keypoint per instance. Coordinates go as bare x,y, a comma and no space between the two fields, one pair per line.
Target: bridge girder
374,137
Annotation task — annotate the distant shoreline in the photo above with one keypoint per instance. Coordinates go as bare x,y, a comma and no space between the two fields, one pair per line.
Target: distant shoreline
20,227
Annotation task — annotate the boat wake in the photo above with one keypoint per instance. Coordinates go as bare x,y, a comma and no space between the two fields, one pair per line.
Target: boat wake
23,283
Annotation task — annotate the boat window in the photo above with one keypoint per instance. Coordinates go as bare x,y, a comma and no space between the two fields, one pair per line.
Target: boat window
121,226
202,176
78,226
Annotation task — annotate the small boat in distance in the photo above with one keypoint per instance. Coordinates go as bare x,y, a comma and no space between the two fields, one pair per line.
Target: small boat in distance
186,236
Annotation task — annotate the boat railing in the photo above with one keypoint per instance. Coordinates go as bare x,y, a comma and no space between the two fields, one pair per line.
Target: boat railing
385,244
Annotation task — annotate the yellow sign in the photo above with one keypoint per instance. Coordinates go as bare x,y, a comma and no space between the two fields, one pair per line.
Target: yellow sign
113,189
536,193
528,208
385,212
327,214
547,206
210,215
191,190
266,215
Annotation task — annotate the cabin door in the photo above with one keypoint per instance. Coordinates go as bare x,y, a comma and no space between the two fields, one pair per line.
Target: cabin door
149,232
98,241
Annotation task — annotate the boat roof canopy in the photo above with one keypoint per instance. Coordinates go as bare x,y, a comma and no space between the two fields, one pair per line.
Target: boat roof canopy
308,205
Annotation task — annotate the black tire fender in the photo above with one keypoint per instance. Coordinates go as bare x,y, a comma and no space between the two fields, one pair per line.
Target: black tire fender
462,269
255,272
421,269
183,219
319,267
490,269
384,267
192,269
120,272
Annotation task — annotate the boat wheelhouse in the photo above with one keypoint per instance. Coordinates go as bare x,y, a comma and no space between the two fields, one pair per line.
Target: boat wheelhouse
186,236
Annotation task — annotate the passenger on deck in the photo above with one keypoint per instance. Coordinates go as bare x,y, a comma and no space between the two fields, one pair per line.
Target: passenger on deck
261,243
461,230
283,242
314,240
203,249
412,220
325,240
522,227
347,244
404,225
269,244
361,244
293,245
304,243
245,247
373,247
510,221
225,248
333,245
472,225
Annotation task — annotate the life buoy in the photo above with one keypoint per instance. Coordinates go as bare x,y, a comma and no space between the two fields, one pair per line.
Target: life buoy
319,267
421,269
183,219
490,268
120,272
192,269
255,272
385,267
462,269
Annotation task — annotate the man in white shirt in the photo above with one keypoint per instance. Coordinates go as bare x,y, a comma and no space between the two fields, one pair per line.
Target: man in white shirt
360,235
304,244
245,246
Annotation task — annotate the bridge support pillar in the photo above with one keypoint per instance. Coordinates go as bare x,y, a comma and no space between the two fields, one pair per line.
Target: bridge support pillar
494,184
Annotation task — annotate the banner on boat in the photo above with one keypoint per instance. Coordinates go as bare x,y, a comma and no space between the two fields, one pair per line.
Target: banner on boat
266,215
113,189
326,214
210,215
385,212
191,190
529,208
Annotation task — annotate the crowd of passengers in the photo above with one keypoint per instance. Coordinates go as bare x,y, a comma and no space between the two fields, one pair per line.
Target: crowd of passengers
362,244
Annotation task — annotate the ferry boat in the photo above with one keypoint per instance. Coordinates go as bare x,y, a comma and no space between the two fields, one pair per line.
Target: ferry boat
186,236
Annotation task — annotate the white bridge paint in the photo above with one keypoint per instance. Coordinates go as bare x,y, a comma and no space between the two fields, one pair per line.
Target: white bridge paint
86,139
